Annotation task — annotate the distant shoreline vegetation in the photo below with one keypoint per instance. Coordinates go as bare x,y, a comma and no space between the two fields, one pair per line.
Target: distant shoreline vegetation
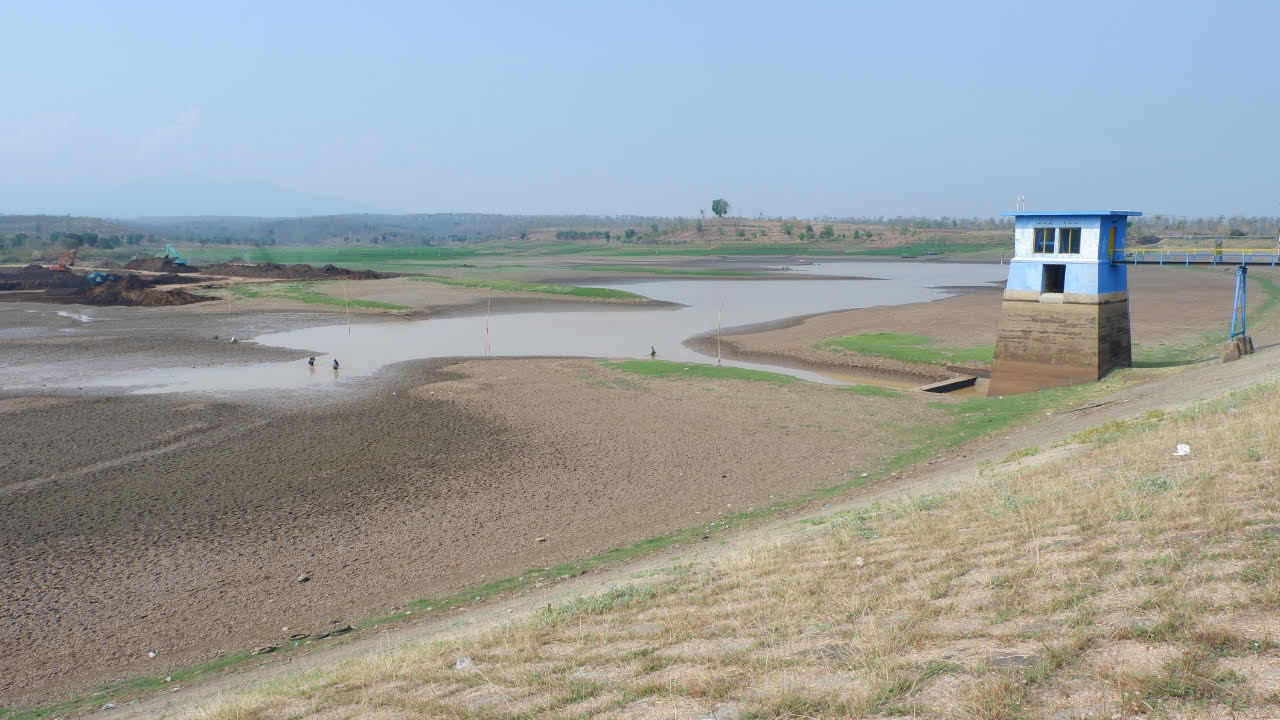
41,238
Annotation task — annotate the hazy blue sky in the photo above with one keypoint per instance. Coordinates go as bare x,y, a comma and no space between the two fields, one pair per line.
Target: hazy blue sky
795,108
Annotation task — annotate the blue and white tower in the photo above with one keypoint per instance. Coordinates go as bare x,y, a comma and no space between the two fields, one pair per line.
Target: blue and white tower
1065,315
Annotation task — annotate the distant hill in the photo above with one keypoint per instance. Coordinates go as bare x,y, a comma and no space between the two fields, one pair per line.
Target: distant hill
44,225
390,229
28,237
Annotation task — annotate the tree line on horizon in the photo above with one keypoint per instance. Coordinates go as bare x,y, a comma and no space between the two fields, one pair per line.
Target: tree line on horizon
28,234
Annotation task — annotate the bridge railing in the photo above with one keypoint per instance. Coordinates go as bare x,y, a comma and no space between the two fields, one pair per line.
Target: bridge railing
1199,256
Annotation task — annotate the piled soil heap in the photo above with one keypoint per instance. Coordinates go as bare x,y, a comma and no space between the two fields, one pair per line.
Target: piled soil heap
38,277
60,286
154,264
136,290
295,272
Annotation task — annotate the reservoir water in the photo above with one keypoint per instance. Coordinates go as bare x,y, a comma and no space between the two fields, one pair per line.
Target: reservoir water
602,330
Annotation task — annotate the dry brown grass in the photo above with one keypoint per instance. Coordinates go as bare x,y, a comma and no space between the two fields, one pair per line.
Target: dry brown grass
1123,581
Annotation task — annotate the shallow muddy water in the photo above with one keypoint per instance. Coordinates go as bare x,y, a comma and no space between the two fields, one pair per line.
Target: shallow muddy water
599,331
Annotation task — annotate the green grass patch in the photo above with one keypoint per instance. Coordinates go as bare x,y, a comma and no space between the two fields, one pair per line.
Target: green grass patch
516,286
114,692
617,597
360,258
976,417
914,677
1018,454
668,271
667,369
306,292
741,249
871,391
1113,430
805,248
932,248
908,348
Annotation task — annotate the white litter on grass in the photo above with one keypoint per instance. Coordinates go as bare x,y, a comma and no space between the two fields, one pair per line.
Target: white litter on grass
463,663
1182,449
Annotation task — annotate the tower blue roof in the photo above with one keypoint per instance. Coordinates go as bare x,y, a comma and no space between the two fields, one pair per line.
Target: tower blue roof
1086,213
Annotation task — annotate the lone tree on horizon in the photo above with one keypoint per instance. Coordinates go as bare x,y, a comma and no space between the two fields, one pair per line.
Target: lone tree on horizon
720,207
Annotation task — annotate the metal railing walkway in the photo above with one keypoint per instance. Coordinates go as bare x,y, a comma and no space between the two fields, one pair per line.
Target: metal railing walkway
1199,256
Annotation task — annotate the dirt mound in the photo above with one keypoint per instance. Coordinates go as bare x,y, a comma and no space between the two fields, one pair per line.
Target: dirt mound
136,290
175,279
155,264
295,272
67,287
38,277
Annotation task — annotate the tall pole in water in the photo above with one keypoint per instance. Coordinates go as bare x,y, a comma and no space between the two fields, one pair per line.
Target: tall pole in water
488,305
347,304
719,317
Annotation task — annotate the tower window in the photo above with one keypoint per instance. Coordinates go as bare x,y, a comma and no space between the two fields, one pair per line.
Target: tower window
1069,240
1044,240
1055,277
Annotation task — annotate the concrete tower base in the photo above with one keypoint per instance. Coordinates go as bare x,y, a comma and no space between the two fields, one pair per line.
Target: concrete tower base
1054,339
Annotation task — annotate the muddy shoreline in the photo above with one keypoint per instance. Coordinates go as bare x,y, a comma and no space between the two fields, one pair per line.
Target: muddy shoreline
737,344
179,525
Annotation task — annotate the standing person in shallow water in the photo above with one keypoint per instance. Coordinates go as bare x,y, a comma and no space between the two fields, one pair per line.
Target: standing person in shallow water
653,352
335,363
311,361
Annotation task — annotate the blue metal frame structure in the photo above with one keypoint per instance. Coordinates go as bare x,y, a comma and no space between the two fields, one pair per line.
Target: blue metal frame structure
1241,303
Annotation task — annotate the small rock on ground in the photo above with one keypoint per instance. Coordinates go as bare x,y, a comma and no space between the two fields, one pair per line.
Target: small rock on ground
1011,660
1104,711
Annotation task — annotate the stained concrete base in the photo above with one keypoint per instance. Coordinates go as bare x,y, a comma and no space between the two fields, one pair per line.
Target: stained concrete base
1051,344
1235,349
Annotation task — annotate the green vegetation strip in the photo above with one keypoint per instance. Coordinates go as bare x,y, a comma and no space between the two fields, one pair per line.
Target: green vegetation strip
931,248
803,248
908,348
515,286
730,249
145,684
342,256
871,391
667,369
668,271
306,292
